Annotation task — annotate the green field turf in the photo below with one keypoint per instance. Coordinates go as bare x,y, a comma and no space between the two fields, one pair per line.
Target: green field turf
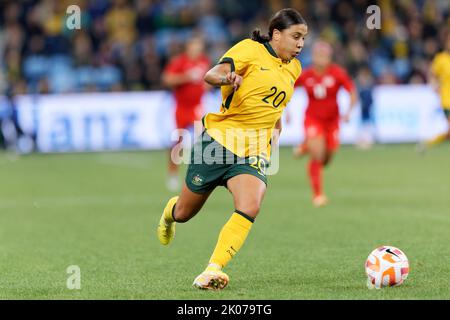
100,212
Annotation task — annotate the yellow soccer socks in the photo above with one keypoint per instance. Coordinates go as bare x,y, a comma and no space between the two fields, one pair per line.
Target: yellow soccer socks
231,238
168,210
166,226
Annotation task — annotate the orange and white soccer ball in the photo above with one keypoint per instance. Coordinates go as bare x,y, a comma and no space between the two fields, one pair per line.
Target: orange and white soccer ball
386,266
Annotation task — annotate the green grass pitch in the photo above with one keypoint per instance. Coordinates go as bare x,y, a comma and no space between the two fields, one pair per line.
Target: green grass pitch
100,212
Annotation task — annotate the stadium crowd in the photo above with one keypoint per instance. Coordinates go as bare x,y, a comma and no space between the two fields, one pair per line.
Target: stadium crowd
124,45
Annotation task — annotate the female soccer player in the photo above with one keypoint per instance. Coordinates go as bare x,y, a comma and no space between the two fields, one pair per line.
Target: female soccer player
257,79
322,82
440,80
184,74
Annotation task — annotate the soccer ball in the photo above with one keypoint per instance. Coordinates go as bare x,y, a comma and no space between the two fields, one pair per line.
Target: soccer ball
386,266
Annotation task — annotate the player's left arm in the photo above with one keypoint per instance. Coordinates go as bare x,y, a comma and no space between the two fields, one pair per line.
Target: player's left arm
353,102
279,125
276,132
206,85
348,85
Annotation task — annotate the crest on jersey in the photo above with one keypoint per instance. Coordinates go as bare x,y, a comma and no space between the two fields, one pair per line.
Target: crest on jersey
328,81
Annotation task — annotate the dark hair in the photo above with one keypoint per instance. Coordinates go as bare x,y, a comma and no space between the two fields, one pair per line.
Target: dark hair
281,20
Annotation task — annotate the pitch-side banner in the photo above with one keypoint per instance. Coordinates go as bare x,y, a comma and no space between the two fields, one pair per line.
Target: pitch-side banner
121,121
100,121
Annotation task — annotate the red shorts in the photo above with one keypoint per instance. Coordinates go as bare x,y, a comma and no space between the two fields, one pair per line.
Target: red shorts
327,129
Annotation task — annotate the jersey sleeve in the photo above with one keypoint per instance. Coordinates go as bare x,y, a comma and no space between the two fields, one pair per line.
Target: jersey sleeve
175,66
345,80
240,56
300,80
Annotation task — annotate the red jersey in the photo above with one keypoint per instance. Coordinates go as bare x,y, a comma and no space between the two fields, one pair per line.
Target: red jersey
189,95
322,90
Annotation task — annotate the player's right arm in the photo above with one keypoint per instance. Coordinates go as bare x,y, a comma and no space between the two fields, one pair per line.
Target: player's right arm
221,75
175,75
232,65
174,80
277,132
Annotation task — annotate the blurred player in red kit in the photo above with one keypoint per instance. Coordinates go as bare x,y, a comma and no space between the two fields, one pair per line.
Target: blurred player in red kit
184,75
322,82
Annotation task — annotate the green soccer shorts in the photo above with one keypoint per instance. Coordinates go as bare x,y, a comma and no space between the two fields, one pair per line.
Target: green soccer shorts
211,165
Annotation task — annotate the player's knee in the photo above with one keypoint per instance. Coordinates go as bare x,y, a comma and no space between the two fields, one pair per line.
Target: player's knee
182,213
251,208
320,157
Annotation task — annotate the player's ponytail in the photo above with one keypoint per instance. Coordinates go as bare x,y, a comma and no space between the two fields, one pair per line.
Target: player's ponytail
281,20
261,38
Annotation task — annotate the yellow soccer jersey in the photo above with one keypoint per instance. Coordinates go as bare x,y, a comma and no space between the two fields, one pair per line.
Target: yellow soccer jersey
441,68
247,116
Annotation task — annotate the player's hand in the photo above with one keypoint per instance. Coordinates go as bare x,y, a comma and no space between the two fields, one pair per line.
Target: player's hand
288,118
346,118
234,79
194,75
275,137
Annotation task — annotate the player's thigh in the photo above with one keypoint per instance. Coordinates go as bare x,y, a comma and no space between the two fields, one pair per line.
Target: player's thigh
189,203
317,147
315,139
248,192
